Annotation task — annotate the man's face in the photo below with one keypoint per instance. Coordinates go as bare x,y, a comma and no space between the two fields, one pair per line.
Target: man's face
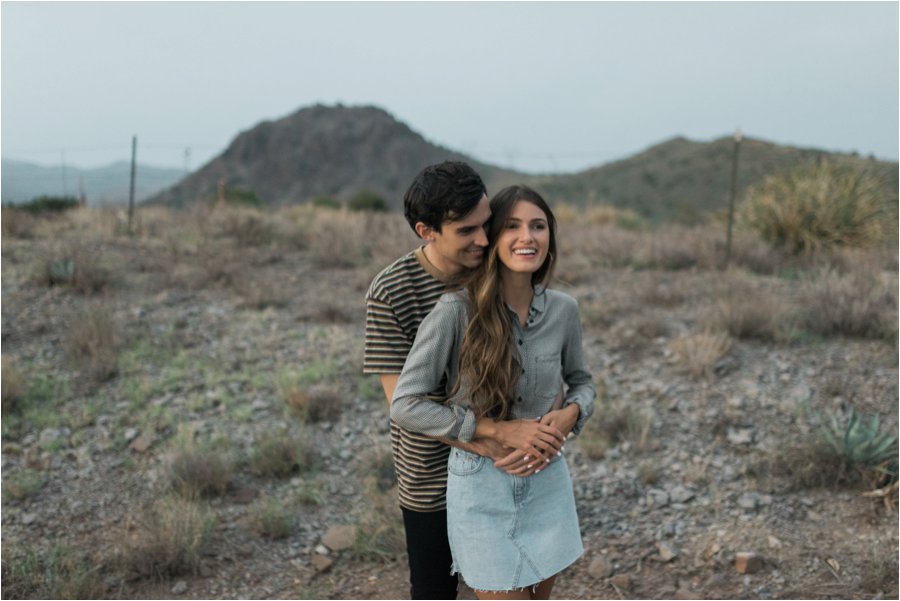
460,244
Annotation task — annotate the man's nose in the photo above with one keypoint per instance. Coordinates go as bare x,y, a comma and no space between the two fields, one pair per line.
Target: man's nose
481,238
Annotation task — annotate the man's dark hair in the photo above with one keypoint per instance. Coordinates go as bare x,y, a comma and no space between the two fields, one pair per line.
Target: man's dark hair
443,192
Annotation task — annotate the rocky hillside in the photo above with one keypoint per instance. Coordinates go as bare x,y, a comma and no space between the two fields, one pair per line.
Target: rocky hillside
681,179
338,151
323,151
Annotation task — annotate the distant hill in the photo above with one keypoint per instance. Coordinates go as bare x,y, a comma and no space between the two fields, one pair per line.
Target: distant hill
23,181
680,179
324,151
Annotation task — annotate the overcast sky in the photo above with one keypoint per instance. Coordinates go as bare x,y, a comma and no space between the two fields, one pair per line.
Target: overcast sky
535,86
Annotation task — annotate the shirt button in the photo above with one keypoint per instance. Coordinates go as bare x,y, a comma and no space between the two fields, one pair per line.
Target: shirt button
520,341
520,399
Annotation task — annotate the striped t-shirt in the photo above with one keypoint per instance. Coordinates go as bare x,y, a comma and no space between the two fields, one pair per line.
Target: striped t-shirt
398,300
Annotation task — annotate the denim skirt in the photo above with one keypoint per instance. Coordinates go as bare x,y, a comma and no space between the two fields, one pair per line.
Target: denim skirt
508,532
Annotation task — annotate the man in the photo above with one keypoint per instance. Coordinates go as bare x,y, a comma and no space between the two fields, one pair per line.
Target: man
447,206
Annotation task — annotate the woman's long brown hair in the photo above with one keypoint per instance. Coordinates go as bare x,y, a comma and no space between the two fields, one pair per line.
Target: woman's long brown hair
488,358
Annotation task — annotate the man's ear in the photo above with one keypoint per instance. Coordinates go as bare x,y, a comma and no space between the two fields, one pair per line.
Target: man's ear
424,232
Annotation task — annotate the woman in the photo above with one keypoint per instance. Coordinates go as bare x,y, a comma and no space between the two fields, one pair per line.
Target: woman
503,346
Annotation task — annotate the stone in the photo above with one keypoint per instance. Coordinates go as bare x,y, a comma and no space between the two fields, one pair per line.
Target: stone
244,495
685,593
142,443
667,551
748,500
773,542
321,563
621,581
321,550
131,434
747,563
657,497
681,494
28,518
180,588
740,436
339,538
601,567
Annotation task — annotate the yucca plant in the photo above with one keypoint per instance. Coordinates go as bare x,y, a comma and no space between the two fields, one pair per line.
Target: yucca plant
822,206
862,445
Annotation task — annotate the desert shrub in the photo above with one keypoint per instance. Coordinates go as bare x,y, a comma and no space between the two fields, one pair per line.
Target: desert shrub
822,206
78,266
699,353
23,484
12,387
378,464
93,342
840,451
17,223
198,470
272,520
338,239
57,573
50,204
878,572
281,454
748,312
169,539
615,423
247,226
860,303
366,200
379,529
325,202
240,196
259,292
314,404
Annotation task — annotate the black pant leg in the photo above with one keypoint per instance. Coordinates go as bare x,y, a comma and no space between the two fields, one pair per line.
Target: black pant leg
429,555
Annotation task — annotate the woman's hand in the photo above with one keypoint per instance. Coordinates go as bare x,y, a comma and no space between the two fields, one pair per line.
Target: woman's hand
562,419
532,437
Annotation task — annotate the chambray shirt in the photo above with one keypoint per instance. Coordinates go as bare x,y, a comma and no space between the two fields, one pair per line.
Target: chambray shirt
549,350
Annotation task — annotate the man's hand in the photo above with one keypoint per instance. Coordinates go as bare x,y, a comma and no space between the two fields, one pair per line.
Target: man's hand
530,436
562,419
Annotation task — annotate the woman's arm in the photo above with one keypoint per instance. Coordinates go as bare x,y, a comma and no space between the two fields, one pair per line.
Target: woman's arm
581,391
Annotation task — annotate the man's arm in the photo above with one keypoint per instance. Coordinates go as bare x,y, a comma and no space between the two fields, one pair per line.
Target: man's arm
479,446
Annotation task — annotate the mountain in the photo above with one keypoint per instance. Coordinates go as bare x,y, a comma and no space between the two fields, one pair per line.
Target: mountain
681,179
23,181
324,151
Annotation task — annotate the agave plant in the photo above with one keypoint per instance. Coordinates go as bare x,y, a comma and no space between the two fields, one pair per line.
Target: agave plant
861,444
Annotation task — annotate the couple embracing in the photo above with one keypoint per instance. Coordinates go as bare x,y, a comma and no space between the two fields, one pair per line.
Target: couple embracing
485,375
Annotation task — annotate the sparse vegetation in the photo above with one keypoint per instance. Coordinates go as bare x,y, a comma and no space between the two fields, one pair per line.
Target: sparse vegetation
272,520
57,573
823,206
282,454
195,470
94,341
78,266
23,484
699,353
379,530
168,539
615,423
859,304
366,200
49,204
12,386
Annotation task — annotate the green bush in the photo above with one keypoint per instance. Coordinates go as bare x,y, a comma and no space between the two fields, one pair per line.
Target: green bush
823,206
325,202
50,204
367,201
242,197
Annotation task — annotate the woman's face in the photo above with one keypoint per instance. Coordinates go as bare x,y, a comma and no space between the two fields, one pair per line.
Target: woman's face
524,238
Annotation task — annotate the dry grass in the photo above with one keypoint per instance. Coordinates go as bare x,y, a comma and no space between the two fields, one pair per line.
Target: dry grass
878,573
76,265
93,342
613,424
378,464
282,454
195,470
699,353
272,520
12,385
23,484
313,404
57,573
168,539
379,530
17,223
259,292
861,304
746,311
